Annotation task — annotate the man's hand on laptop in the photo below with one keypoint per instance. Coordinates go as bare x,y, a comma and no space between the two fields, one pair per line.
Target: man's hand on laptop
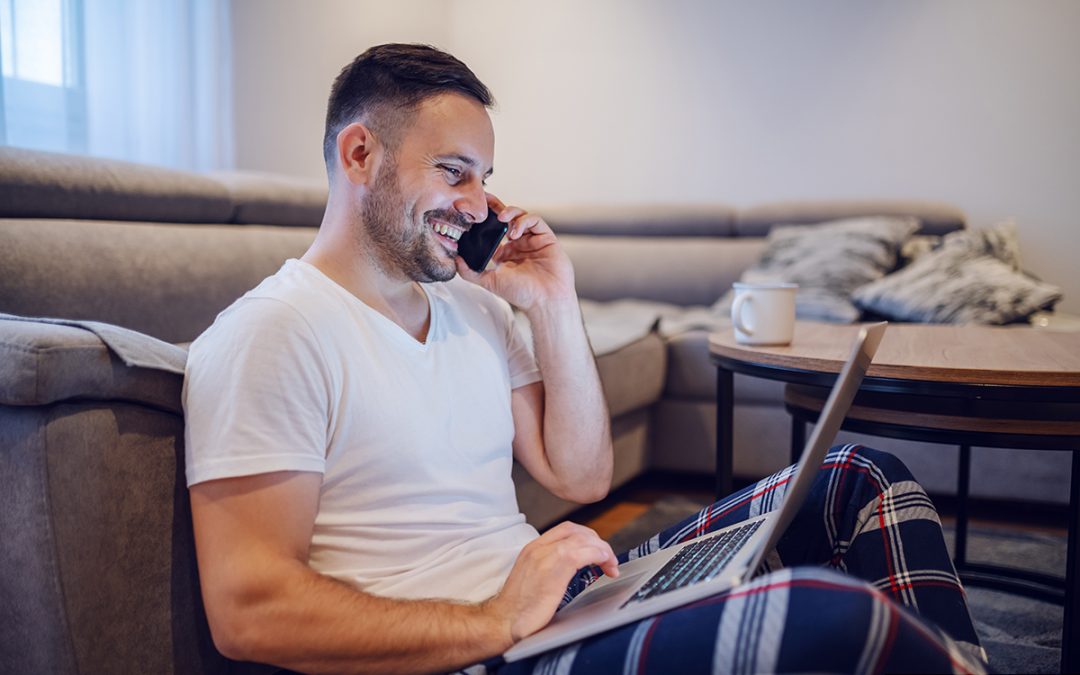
543,569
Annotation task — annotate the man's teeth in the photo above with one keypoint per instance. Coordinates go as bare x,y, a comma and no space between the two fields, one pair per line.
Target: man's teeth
448,231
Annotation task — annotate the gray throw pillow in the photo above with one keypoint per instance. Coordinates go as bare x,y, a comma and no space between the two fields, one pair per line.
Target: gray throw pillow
1000,241
918,246
951,285
828,261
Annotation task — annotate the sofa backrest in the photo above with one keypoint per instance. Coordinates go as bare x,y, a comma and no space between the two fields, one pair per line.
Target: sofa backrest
152,249
166,280
164,251
36,184
935,218
691,255
680,270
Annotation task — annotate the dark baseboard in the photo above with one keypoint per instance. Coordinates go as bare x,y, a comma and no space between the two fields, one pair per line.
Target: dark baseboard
1009,511
654,485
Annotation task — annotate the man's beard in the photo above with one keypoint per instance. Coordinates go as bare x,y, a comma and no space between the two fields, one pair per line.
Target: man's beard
397,243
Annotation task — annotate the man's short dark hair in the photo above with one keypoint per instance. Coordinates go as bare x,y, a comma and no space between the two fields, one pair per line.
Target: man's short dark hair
386,83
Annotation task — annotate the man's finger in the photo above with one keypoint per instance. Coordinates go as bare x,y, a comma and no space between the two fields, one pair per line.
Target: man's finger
610,564
583,538
494,203
511,213
519,224
530,222
598,554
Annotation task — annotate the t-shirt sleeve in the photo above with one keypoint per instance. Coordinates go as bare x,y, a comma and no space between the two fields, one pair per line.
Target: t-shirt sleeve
257,395
522,362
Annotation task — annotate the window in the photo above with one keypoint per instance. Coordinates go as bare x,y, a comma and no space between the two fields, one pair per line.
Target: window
44,102
143,80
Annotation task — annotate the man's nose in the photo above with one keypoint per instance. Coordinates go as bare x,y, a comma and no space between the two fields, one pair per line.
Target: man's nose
472,202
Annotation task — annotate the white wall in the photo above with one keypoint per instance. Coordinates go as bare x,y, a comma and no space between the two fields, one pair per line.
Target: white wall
972,102
286,54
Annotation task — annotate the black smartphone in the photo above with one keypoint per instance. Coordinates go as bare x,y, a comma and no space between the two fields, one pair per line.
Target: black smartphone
478,244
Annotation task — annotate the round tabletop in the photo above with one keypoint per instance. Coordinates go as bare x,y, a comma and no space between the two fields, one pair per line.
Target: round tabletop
940,354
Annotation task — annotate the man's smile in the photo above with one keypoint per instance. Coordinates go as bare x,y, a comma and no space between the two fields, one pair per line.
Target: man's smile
446,233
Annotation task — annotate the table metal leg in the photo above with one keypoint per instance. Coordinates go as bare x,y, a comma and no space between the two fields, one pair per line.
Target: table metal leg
1070,633
963,489
798,438
725,432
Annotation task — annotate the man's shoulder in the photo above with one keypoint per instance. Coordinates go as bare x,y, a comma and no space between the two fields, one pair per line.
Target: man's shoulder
296,285
283,302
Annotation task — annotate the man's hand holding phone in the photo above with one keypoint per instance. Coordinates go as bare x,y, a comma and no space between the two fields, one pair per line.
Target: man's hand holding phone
530,265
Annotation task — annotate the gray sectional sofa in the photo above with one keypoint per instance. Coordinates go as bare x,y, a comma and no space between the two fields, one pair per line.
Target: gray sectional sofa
94,523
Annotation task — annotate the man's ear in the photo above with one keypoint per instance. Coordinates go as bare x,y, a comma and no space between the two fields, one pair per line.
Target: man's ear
358,152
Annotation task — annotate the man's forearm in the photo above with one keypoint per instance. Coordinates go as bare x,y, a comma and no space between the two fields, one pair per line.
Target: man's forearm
308,622
577,431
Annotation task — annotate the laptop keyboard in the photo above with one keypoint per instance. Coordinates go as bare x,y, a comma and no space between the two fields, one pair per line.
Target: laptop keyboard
700,561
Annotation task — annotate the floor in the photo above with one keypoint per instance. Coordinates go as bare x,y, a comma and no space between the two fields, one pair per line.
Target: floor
632,500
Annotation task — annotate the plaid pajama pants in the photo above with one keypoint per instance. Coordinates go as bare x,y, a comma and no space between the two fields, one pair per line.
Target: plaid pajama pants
861,582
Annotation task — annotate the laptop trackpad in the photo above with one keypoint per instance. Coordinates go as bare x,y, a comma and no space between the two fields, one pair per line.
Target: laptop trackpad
591,596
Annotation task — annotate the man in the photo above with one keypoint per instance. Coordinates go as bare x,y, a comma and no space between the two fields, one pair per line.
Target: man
352,423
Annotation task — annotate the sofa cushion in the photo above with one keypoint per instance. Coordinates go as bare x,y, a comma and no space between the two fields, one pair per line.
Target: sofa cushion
165,280
1001,241
42,364
630,356
268,199
36,184
633,377
134,349
916,247
692,376
951,286
828,261
972,276
934,218
614,325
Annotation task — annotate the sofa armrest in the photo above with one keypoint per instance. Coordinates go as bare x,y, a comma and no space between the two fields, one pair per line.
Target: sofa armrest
45,363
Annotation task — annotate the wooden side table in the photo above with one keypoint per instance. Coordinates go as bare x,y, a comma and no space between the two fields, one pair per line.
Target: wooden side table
962,385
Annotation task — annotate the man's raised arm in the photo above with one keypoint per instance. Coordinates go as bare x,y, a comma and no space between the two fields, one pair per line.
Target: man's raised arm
562,433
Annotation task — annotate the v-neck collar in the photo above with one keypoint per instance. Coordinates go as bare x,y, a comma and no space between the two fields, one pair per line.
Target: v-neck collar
390,327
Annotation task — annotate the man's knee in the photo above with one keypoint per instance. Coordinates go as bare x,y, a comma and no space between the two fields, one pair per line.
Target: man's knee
838,623
879,464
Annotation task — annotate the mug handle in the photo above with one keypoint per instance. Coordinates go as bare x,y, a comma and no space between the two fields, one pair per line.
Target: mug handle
736,314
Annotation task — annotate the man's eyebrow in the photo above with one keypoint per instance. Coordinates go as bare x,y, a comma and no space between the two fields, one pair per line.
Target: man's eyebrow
466,160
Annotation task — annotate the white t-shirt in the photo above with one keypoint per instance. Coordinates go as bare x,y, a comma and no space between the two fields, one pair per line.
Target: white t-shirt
413,440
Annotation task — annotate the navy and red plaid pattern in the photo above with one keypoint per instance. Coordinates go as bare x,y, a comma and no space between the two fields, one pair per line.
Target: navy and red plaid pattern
861,582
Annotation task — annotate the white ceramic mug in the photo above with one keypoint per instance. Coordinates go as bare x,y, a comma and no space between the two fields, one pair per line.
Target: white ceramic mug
764,314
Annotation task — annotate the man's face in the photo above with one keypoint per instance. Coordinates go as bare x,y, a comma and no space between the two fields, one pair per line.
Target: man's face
430,189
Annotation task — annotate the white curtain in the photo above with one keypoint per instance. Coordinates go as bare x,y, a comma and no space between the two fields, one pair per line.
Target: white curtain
142,80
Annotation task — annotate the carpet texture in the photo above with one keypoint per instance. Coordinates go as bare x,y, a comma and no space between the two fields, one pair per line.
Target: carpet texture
1020,635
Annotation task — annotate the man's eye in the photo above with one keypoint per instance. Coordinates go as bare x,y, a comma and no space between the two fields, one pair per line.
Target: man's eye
452,172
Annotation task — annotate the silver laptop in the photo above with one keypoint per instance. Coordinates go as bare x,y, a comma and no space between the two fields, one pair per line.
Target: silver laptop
711,563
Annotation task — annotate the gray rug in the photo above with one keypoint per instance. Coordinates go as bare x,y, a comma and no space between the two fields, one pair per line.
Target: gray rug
1020,635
